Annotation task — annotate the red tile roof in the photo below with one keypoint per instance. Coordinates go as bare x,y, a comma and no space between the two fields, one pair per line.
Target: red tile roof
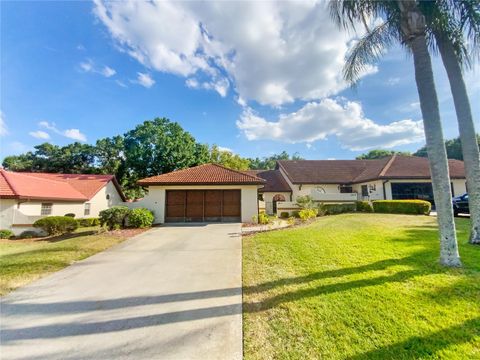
275,182
206,174
73,187
355,171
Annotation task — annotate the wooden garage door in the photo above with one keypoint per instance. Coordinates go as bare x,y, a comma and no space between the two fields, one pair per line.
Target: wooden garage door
203,206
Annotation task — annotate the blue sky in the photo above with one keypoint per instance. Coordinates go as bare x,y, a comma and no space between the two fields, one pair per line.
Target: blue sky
257,78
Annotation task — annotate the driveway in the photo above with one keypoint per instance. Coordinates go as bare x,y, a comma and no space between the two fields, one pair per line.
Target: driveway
170,293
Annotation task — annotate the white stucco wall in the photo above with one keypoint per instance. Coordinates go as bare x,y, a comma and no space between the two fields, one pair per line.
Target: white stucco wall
155,199
375,190
7,207
100,202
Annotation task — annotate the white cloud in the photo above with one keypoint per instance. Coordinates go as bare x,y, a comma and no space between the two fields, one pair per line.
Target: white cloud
223,148
393,81
90,67
3,125
319,120
107,71
145,80
39,134
121,83
74,134
272,52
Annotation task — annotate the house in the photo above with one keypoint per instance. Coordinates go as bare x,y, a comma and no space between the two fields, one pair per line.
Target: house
202,193
27,197
214,193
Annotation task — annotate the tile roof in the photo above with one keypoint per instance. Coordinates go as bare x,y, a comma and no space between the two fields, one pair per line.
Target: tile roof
206,174
74,187
355,171
275,182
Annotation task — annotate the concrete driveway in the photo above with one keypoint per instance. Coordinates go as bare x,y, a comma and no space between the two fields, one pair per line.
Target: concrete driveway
170,293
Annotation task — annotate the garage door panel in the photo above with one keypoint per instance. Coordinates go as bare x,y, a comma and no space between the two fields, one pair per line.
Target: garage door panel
194,211
175,206
231,203
213,205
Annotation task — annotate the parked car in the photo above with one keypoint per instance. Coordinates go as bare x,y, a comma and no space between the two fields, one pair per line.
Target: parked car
460,205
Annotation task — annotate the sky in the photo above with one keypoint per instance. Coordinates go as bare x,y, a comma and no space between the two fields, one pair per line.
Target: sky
253,77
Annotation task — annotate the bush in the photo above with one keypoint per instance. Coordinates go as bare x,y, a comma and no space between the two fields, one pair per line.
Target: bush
296,214
28,234
114,218
284,214
88,222
291,220
364,206
263,219
5,234
306,202
140,218
413,207
334,209
56,225
306,214
72,215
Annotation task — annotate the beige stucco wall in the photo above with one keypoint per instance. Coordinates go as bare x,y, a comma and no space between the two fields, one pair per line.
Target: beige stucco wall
155,199
7,207
100,202
375,190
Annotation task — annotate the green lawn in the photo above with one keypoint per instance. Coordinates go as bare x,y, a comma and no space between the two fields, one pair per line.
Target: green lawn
22,261
360,286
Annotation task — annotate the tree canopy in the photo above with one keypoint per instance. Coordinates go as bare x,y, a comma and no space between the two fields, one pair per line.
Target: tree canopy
453,146
380,153
268,163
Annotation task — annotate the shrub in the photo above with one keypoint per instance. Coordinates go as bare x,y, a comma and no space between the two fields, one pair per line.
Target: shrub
364,206
334,209
28,234
72,215
306,214
114,218
296,214
255,219
56,225
291,220
263,218
414,207
140,218
88,222
284,214
6,234
306,202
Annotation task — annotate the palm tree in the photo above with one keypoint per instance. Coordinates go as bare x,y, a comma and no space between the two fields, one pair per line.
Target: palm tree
448,32
405,23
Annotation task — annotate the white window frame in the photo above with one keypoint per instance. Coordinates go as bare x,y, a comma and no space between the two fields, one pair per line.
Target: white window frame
46,209
87,209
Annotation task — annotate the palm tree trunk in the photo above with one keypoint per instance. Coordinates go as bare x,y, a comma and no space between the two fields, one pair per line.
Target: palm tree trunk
413,28
468,138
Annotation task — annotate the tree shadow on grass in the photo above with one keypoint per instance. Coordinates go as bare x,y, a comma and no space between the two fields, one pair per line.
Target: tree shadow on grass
74,235
425,346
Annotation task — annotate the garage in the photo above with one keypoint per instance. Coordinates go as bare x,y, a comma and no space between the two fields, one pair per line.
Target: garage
412,190
203,193
203,206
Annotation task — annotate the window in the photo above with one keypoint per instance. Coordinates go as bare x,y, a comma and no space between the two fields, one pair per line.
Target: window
365,191
346,189
46,209
86,210
108,196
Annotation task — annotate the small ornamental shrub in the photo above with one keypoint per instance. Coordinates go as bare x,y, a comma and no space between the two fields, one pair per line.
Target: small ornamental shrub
28,234
364,206
263,218
88,222
413,207
334,209
306,202
255,219
284,214
140,218
114,218
306,214
296,214
291,220
6,234
72,215
56,225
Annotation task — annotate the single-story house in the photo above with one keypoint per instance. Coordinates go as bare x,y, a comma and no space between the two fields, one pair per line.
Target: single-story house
204,193
27,197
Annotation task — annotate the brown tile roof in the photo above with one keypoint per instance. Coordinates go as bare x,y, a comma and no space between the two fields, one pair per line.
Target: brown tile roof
206,174
275,182
73,187
355,171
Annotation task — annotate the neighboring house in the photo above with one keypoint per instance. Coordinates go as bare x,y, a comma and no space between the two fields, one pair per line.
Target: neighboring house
395,177
275,190
27,197
202,193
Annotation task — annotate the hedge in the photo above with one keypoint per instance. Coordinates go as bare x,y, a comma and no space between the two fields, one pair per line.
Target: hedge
6,234
140,218
56,225
364,206
415,207
88,222
333,209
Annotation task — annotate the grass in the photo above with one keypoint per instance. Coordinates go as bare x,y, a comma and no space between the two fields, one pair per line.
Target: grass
23,261
360,286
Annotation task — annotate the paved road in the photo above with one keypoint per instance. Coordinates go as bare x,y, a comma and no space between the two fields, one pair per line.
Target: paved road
170,293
